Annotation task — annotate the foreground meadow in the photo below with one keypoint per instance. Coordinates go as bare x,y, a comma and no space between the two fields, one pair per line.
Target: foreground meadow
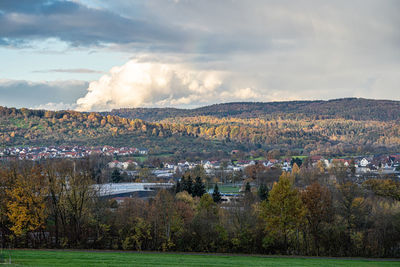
95,258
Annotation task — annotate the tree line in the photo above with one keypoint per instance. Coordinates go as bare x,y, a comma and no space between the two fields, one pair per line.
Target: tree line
309,211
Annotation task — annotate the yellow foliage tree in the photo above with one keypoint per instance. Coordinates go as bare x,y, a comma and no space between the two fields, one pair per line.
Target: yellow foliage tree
26,207
284,211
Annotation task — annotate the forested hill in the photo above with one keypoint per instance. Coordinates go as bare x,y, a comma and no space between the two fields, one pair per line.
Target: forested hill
347,108
26,127
336,127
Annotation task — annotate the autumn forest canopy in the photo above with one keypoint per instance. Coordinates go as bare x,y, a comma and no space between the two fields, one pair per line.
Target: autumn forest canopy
335,127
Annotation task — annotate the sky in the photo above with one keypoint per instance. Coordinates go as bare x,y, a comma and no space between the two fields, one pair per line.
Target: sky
92,55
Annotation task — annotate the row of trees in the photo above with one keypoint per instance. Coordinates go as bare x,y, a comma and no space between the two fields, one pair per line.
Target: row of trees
54,205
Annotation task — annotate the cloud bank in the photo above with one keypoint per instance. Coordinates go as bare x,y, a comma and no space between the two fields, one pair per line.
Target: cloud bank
147,84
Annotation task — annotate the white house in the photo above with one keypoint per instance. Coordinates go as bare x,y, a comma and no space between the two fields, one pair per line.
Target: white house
364,162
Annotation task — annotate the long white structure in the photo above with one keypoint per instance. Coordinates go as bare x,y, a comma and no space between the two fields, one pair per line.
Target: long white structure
111,189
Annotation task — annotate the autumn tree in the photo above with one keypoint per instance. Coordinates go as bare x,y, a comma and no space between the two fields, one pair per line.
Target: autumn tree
5,183
283,212
353,209
26,206
385,188
318,203
79,196
164,220
207,232
257,172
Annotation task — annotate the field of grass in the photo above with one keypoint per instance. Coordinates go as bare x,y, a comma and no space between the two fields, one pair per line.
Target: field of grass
140,158
88,258
258,158
228,189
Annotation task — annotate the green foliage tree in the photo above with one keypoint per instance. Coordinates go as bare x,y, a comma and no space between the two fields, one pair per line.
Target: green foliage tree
283,212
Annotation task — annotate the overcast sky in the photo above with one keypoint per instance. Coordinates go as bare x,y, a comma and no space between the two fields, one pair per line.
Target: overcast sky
99,55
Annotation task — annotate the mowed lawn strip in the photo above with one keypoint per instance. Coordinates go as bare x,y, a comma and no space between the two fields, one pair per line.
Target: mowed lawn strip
95,258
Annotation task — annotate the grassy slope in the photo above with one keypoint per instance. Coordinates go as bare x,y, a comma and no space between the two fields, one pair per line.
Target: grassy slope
83,258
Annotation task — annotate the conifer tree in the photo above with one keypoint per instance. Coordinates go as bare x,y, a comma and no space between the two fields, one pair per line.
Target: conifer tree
216,194
198,188
187,185
178,187
263,192
248,187
116,176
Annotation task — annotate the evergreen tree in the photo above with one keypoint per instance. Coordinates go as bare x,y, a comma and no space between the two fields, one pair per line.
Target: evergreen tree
178,187
187,185
298,161
216,194
247,188
263,192
198,188
116,176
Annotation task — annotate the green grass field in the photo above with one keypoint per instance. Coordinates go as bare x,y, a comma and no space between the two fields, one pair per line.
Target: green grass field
228,189
140,158
88,258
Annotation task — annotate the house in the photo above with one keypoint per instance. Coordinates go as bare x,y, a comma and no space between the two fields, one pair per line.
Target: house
345,162
169,166
115,164
364,162
315,159
126,164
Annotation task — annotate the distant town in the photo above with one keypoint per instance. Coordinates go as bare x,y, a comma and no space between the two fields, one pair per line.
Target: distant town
361,165
36,153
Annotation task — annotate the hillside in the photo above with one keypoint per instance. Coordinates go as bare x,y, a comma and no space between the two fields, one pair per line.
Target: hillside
21,127
346,108
335,127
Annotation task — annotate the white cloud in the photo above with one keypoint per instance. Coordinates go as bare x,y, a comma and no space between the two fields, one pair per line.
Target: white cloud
145,84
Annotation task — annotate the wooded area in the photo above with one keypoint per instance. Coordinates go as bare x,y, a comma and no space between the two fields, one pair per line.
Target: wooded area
332,128
310,211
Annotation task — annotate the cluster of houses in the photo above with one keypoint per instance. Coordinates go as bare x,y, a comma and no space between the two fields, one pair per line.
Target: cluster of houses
36,153
384,164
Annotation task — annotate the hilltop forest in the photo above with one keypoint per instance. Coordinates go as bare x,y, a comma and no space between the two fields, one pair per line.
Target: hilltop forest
335,127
